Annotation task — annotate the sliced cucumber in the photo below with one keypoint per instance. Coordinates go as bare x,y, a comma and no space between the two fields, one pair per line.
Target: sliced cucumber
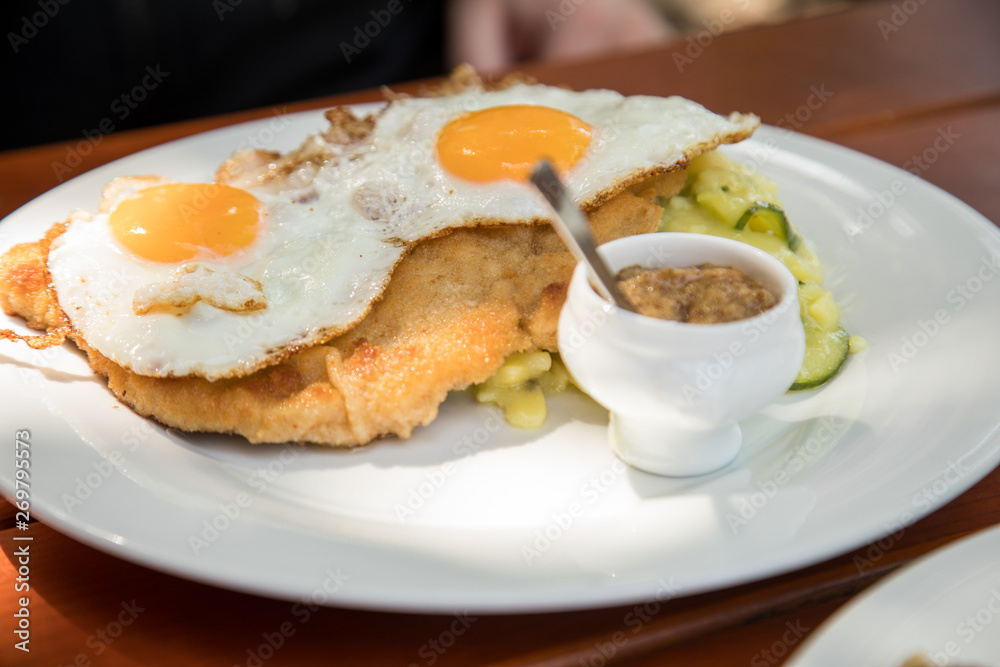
826,352
725,198
827,343
769,219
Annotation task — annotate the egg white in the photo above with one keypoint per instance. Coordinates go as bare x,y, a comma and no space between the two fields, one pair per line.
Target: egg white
633,137
322,260
319,270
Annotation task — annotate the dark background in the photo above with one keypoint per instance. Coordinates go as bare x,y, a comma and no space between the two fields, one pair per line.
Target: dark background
76,67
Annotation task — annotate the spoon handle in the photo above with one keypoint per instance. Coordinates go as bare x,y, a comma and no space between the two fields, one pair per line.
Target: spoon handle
572,227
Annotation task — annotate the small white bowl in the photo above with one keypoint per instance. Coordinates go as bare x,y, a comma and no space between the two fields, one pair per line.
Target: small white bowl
677,390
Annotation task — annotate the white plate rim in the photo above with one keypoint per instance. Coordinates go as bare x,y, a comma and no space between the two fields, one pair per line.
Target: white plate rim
934,589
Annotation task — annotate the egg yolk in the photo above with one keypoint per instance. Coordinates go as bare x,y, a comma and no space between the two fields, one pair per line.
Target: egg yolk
178,221
508,141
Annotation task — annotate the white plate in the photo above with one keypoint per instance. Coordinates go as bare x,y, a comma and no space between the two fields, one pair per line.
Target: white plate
471,514
945,606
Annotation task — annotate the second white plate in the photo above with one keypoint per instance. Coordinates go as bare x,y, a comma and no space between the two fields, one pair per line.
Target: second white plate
945,608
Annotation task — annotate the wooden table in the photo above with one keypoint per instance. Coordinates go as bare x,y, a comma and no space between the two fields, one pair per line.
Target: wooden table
885,78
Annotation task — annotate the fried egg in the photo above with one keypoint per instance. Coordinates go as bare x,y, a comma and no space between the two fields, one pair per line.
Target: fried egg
174,279
214,281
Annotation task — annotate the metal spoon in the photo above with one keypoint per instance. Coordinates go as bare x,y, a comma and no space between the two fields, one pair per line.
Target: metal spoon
572,227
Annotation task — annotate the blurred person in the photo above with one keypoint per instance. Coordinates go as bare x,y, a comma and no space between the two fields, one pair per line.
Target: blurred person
494,35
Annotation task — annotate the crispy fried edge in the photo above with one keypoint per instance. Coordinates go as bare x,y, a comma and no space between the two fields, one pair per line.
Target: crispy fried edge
34,286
